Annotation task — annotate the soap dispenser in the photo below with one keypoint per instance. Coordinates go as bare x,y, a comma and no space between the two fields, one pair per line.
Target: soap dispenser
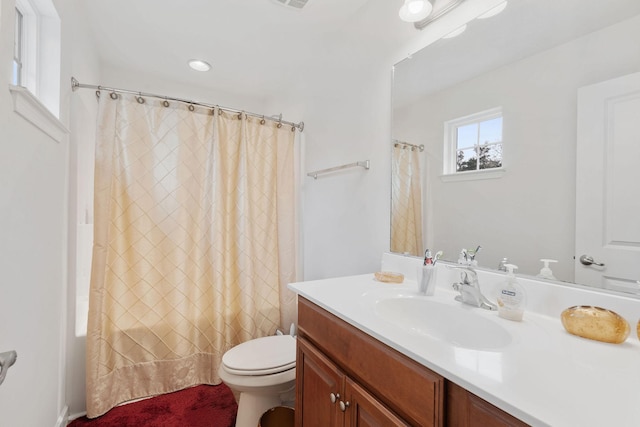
511,296
545,272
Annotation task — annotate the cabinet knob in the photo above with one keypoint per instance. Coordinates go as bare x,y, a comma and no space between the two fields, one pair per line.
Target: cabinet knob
344,405
334,397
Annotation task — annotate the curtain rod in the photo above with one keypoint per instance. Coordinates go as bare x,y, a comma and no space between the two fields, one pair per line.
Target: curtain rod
75,85
406,144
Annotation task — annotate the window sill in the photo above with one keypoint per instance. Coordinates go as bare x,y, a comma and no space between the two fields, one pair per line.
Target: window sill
474,175
30,107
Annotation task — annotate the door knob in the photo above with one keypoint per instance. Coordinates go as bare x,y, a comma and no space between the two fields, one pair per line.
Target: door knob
588,260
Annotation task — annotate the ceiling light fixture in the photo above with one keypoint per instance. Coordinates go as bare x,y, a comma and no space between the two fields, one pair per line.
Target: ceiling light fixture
493,11
199,65
415,10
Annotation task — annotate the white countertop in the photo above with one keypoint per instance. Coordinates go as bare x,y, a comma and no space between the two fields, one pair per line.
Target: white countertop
545,376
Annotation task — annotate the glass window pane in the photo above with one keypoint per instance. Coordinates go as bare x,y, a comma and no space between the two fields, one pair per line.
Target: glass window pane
467,160
15,80
490,156
467,136
491,131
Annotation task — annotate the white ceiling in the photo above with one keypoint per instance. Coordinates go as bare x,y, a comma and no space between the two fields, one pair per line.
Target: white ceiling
524,28
252,45
259,46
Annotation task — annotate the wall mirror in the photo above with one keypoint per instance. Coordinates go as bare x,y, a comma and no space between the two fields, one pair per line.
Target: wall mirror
529,63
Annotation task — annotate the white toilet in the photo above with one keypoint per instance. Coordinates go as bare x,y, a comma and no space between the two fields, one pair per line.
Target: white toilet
263,371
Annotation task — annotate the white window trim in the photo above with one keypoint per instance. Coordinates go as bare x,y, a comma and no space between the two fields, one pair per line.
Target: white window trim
28,106
451,149
493,173
30,26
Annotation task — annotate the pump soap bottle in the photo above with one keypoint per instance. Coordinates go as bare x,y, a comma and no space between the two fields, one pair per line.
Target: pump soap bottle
511,296
545,272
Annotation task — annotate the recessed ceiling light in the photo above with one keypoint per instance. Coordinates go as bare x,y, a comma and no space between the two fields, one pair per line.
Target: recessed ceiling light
456,32
199,65
493,11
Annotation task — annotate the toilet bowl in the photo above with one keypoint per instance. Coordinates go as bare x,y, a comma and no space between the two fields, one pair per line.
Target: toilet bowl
263,372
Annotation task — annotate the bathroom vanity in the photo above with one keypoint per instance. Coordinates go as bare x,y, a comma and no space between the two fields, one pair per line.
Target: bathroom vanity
347,378
372,353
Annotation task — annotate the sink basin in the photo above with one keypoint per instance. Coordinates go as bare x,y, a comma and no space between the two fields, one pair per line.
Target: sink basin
459,326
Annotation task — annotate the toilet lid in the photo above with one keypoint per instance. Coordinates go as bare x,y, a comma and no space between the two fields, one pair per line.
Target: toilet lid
261,356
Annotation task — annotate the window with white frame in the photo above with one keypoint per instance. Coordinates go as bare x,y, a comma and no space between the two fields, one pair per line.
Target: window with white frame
36,53
474,143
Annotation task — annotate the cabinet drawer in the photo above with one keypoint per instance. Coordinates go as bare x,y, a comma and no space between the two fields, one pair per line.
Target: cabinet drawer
408,388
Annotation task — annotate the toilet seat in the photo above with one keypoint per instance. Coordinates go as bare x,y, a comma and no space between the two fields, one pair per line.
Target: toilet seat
261,356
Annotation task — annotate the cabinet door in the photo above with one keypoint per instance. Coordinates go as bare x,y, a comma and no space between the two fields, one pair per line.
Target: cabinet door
318,386
363,410
409,389
465,409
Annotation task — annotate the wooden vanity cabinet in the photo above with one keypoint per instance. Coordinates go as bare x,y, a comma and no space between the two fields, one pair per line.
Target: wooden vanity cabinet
329,398
346,378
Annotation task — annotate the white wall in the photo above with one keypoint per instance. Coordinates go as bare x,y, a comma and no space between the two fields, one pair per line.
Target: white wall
344,97
37,188
33,171
529,213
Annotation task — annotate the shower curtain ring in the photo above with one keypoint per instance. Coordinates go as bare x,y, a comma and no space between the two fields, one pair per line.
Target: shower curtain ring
166,103
139,98
263,121
191,107
113,95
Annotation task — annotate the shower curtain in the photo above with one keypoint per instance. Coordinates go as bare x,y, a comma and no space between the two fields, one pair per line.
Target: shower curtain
406,201
194,244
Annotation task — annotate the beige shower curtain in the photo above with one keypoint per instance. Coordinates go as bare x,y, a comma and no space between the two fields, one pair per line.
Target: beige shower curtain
406,201
195,242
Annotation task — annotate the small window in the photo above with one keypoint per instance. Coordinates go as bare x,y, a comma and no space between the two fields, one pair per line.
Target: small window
36,51
474,143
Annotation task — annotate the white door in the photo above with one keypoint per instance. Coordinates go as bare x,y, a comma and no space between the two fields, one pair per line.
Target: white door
608,184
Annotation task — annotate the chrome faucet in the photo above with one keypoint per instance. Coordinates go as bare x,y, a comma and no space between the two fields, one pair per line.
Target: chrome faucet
468,257
469,288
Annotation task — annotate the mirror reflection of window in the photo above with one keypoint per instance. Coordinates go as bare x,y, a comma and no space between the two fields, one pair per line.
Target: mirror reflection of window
475,142
406,199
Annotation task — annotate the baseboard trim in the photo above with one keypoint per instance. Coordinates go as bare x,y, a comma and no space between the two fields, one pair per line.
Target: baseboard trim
76,415
63,418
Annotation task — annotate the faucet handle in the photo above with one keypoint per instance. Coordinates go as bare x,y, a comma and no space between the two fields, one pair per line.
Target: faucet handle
466,269
463,268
